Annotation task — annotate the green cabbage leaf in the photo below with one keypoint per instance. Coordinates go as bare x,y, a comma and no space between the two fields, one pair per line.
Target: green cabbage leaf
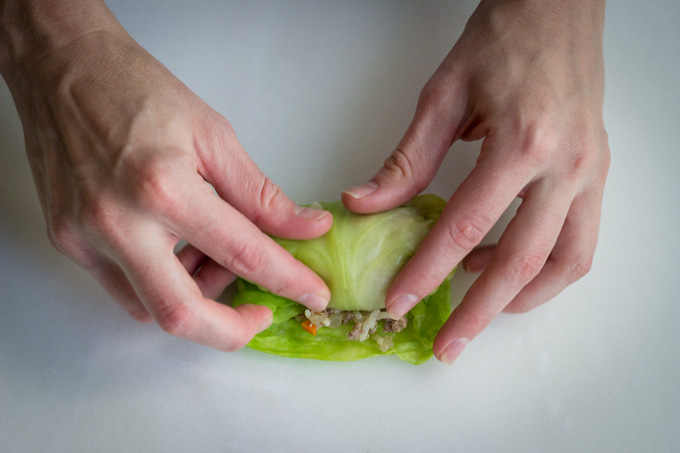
358,259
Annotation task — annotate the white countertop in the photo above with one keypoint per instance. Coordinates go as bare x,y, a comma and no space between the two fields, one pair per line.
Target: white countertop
319,94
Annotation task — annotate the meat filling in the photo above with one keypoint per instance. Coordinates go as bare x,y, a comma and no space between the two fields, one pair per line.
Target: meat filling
394,325
365,324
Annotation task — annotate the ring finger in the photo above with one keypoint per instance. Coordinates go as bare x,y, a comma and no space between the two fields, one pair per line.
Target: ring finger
210,277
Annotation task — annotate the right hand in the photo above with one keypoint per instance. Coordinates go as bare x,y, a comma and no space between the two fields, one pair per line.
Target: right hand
121,151
528,78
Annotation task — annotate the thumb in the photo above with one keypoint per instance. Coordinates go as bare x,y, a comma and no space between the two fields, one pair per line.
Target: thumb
410,168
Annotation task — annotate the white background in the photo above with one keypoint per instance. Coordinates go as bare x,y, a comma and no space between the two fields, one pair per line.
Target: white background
319,95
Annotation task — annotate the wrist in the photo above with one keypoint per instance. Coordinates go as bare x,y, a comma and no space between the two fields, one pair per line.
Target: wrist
31,30
566,32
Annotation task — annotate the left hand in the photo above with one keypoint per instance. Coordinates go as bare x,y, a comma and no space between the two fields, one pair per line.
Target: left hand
528,78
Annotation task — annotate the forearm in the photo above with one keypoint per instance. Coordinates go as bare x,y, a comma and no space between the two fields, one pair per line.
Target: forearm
553,22
583,10
30,30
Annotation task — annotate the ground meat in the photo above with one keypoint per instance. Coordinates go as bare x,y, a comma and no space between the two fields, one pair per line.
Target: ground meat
349,317
365,323
394,325
356,331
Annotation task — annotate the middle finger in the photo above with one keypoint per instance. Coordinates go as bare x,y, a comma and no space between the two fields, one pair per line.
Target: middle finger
521,253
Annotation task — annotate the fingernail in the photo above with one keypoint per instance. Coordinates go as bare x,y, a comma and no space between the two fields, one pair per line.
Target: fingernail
362,191
310,213
313,301
265,325
453,350
402,304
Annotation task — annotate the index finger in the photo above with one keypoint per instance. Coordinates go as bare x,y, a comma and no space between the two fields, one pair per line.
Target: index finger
174,300
471,212
224,234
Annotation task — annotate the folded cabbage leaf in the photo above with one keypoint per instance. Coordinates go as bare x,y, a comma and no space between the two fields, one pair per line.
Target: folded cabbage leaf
358,259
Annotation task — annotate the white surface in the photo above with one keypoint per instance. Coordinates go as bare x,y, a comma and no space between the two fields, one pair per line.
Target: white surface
319,94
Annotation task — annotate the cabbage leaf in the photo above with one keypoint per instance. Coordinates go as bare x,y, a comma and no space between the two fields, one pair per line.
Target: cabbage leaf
358,259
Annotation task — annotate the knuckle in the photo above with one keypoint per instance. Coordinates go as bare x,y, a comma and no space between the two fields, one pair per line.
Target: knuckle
61,234
149,178
271,196
580,164
590,155
221,131
434,95
428,95
97,217
225,127
215,134
605,161
537,145
479,320
68,240
584,159
466,234
427,278
535,153
523,268
286,287
155,189
174,318
246,259
400,164
580,266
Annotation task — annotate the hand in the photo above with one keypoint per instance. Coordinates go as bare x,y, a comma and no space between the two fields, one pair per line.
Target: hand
527,77
121,151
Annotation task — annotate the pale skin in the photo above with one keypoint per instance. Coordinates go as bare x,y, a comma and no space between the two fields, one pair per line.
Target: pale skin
527,77
121,151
